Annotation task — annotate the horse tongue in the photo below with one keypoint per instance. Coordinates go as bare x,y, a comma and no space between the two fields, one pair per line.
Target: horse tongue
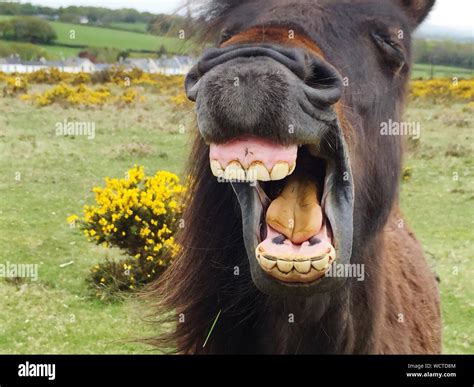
297,212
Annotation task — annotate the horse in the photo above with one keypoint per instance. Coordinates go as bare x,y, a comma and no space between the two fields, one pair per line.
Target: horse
294,242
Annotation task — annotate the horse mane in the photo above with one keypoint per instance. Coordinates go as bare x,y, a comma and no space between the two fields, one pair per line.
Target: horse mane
202,281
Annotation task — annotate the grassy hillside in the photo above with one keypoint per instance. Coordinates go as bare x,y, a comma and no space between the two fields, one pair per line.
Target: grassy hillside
57,314
58,52
425,71
135,27
130,36
104,37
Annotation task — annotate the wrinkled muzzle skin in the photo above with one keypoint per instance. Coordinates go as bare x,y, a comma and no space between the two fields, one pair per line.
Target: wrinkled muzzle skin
266,99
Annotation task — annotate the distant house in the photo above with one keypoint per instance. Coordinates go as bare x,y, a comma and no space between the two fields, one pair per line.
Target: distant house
176,65
78,65
84,20
146,65
12,64
103,66
32,66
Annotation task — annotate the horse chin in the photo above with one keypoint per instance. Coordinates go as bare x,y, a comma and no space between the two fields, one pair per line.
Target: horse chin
284,267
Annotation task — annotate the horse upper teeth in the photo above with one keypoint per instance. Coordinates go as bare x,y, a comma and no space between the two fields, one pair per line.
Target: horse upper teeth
234,171
279,171
216,168
257,171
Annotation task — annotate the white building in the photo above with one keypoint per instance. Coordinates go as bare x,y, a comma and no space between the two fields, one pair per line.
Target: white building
13,64
176,65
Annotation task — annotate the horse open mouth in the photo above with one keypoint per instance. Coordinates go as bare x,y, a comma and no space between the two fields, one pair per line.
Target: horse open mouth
266,111
296,206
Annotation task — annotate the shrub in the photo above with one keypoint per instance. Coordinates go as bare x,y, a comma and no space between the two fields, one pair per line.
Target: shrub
180,101
111,279
50,76
443,90
77,96
15,86
130,96
25,51
28,29
140,216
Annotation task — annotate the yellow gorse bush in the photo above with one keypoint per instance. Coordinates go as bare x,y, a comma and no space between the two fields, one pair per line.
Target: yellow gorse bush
15,86
180,100
139,215
137,212
116,85
443,89
73,95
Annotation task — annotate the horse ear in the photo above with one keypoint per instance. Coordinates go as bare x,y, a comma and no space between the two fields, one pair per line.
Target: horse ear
417,10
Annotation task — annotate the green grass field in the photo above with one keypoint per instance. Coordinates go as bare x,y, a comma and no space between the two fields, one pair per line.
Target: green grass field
135,27
57,314
125,36
104,37
425,71
58,52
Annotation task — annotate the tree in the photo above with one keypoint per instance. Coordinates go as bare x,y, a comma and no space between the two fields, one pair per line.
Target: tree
122,55
28,29
162,51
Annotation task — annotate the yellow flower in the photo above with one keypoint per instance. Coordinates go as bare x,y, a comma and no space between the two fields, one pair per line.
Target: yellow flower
72,219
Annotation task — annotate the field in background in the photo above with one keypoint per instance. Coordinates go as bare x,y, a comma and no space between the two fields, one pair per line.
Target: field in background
124,36
104,37
426,71
57,314
135,27
134,36
438,202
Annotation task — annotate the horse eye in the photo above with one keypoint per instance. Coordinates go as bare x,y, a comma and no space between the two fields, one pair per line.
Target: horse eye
392,52
225,35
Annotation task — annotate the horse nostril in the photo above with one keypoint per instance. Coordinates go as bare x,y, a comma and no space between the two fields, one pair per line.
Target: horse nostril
293,59
191,84
324,86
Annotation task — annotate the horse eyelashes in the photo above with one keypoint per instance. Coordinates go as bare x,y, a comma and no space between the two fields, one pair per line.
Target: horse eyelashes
225,36
391,51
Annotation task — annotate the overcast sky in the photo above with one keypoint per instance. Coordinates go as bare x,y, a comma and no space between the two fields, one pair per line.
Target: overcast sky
449,13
